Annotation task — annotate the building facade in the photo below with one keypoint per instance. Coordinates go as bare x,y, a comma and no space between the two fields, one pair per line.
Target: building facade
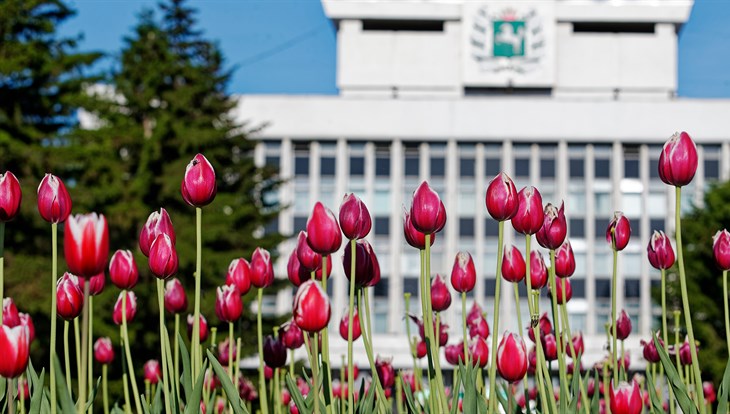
575,97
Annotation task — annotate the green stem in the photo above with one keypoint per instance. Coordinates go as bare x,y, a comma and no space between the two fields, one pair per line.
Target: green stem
128,352
105,388
84,349
613,317
163,357
66,357
315,373
195,352
176,351
520,329
90,354
367,341
495,322
291,363
350,362
262,378
54,277
326,371
434,337
432,395
147,385
562,374
411,342
677,344
685,304
463,328
238,361
727,318
230,351
576,358
2,267
665,334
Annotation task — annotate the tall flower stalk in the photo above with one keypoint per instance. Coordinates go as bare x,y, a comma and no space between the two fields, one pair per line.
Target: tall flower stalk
495,321
350,316
128,354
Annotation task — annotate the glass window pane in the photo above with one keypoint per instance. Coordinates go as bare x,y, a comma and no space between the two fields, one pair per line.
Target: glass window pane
603,203
357,166
466,167
631,168
547,168
632,288
657,204
411,166
577,228
381,202
577,168
712,169
657,224
327,166
301,166
631,264
522,167
381,226
577,201
654,168
492,167
382,166
602,168
467,203
491,227
631,204
300,223
466,227
438,166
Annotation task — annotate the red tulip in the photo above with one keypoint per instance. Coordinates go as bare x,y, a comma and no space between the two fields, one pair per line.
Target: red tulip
549,346
247,390
440,295
454,353
463,274
554,227
651,354
355,374
203,327
274,352
294,270
623,326
428,213
239,275
479,351
678,160
293,408
354,217
69,297
198,186
27,321
54,203
308,258
96,284
86,244
626,398
223,351
345,323
421,349
14,347
23,390
529,217
130,307
538,270
157,223
11,317
163,257
228,304
323,233
502,201
513,265
286,396
311,307
685,355
152,372
478,327
578,345
367,268
709,391
10,196
291,336
386,373
474,313
176,301
618,231
721,249
659,251
544,327
565,291
511,358
414,237
103,351
262,270
123,269
564,260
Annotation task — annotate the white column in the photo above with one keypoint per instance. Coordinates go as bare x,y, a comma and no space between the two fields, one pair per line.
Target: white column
645,313
395,278
561,170
452,225
314,170
479,217
340,286
286,225
725,161
590,234
617,173
699,180
507,318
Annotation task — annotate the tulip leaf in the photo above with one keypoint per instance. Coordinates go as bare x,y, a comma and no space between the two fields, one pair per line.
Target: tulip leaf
574,390
92,397
656,404
36,384
157,400
193,402
595,403
145,406
409,395
680,391
187,381
469,379
455,394
367,399
296,395
722,391
64,397
231,392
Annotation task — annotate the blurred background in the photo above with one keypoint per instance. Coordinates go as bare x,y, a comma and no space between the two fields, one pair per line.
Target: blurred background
299,101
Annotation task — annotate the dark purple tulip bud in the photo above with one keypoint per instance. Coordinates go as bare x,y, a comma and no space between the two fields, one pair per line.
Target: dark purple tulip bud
549,345
651,354
274,352
454,353
623,326
386,373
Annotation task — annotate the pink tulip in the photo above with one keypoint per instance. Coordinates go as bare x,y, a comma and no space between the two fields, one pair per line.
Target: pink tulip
678,160
262,270
15,347
659,251
311,307
511,358
721,249
345,323
454,353
54,203
69,297
130,307
502,201
103,351
618,231
554,227
386,373
10,196
529,217
463,274
294,270
428,213
538,270
323,233
157,223
152,371
203,327
123,269
354,217
86,244
27,321
440,295
163,260
626,398
228,304
623,326
414,237
308,258
291,336
11,317
176,301
239,275
198,187
513,265
479,351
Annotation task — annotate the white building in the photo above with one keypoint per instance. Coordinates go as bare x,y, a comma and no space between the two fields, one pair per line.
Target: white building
575,97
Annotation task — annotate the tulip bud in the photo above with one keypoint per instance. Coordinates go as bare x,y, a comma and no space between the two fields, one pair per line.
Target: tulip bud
203,327
103,351
239,275
24,391
176,301
308,258
294,270
86,244
152,372
421,349
198,186
544,327
414,237
538,270
291,336
345,323
228,305
96,284
354,217
311,307
454,354
618,231
478,327
626,398
27,321
623,326
564,260
479,351
123,269
157,223
651,354
14,347
565,291
440,295
502,202
274,352
678,160
529,217
685,353
463,274
474,313
578,345
224,348
367,268
511,358
323,232
10,195
709,391
659,251
428,214
163,257
262,270
11,317
130,307
69,297
247,391
386,373
721,249
554,228
549,346
513,265
54,203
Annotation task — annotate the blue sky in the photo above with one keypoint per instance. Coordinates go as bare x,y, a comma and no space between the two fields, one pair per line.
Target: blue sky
288,46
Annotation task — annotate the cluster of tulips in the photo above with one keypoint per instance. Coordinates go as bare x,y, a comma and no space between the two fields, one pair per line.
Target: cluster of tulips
187,377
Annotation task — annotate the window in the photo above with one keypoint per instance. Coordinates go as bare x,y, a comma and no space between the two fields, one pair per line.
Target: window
631,168
466,167
635,229
522,167
491,227
577,168
577,227
327,166
300,223
272,226
272,161
301,165
493,166
466,226
381,226
410,285
357,165
602,168
578,286
438,166
654,168
380,289
656,224
603,288
547,168
712,169
631,288
382,166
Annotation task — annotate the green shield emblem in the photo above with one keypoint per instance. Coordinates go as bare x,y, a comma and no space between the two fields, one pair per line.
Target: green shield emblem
509,38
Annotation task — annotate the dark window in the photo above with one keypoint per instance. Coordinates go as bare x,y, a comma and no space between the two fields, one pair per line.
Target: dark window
656,224
577,228
381,226
491,227
635,229
357,166
327,166
578,286
601,226
411,167
489,287
577,168
301,166
272,162
632,289
410,285
492,167
438,166
712,169
272,227
407,25
466,227
613,27
654,168
522,167
330,289
547,168
603,288
300,223
382,166
631,168
466,167
603,168
380,289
